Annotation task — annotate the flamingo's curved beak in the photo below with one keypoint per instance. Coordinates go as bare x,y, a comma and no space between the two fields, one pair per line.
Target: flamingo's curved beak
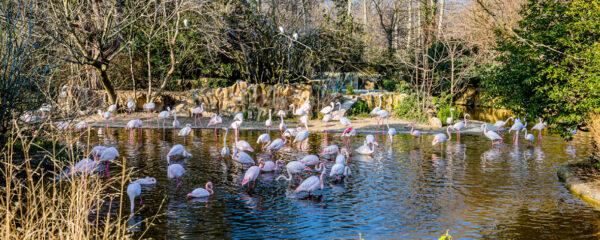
244,182
189,194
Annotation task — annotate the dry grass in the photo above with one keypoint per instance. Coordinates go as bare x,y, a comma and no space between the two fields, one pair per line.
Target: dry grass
35,207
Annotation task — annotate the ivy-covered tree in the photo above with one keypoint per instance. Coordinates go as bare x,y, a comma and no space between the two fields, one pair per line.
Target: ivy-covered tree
550,63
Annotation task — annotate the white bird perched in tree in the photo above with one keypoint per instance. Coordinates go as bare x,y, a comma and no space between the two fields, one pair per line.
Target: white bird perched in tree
491,134
440,138
499,124
311,184
450,119
201,192
177,150
130,105
134,190
250,176
175,171
268,123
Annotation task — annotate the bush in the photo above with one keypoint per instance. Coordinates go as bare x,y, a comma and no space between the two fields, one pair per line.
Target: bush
360,109
349,89
407,109
215,82
444,112
399,86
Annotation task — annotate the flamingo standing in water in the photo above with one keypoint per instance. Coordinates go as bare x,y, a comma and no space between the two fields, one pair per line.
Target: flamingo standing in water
311,184
268,122
391,131
235,126
326,111
85,166
293,167
440,138
413,132
108,155
491,135
331,149
105,115
111,109
164,115
268,166
540,127
281,114
348,133
517,126
340,169
149,107
460,125
175,121
306,106
80,126
97,151
302,136
499,124
263,139
197,112
177,150
201,192
215,120
343,120
185,131
134,190
276,145
250,176
450,119
132,125
242,157
310,160
175,171
366,150
130,105
528,136
375,112
370,139
225,149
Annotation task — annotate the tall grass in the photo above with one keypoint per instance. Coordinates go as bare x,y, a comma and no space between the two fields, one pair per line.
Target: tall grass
33,206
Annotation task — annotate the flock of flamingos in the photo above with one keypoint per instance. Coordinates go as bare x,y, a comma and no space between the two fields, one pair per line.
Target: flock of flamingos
300,134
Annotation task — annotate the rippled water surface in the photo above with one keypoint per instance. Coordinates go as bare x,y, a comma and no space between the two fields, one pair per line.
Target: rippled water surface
408,190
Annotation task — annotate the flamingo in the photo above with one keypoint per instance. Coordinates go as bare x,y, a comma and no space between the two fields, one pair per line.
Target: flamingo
149,107
164,115
276,145
238,117
331,149
268,166
328,109
132,124
130,105
370,139
175,121
343,120
306,106
45,108
111,109
365,149
250,176
242,157
348,133
97,151
263,139
299,111
491,134
80,126
185,131
310,160
450,119
214,120
243,146
197,112
303,120
301,136
86,166
108,155
146,181
201,192
339,169
326,118
311,184
289,133
413,132
235,126
177,150
540,127
281,114
225,149
460,125
517,126
341,157
293,167
440,138
175,171
105,115
391,131
499,124
282,127
134,190
382,114
375,111
268,123
528,136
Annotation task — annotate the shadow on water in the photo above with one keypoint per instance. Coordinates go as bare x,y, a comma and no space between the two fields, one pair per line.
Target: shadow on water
408,190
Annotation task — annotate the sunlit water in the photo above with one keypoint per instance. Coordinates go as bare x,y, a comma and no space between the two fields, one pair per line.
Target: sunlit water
408,190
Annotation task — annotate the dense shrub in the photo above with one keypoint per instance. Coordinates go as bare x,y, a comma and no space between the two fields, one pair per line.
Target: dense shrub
408,109
360,109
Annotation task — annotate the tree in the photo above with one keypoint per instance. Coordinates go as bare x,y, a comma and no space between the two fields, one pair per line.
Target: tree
550,63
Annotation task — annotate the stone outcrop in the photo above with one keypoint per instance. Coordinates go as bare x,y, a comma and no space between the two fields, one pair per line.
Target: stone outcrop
435,122
389,100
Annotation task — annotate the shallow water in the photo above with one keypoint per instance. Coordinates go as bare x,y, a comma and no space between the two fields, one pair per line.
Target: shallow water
408,190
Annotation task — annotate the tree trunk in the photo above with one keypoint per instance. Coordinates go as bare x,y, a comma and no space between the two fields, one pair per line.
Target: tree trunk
149,95
452,76
409,25
106,83
439,27
349,8
365,13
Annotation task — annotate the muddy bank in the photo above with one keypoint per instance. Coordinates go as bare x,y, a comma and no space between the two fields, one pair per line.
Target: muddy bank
584,187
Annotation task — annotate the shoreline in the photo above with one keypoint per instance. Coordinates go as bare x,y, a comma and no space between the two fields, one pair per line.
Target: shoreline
578,187
363,125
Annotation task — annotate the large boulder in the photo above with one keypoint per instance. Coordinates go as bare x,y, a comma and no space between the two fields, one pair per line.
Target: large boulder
435,122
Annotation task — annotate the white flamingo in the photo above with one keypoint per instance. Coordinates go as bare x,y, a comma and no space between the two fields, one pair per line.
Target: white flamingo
517,126
366,150
164,115
130,105
460,125
276,145
293,167
108,155
184,132
413,132
311,184
133,124
85,166
348,133
268,123
149,107
340,169
215,120
331,149
450,119
225,149
376,110
105,115
499,124
235,126
491,135
299,111
175,121
328,109
250,176
134,190
528,136
540,127
440,138
263,139
391,131
343,120
201,192
81,126
370,139
302,136
242,157
268,166
243,146
197,112
306,106
175,171
177,150
383,114
97,151
310,160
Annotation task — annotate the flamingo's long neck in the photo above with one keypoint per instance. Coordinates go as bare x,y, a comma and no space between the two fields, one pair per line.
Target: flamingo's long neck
225,137
379,101
387,122
322,174
452,114
340,111
412,128
448,132
132,200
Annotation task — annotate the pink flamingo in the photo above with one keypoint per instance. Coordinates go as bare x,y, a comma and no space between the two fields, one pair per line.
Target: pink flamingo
301,137
281,114
263,139
175,171
201,192
340,169
235,126
460,125
413,132
164,115
491,134
440,138
177,150
540,127
130,105
311,184
293,167
310,160
215,120
105,115
276,145
197,112
250,176
134,190
499,124
97,151
268,123
348,133
108,155
184,132
149,107
85,166
331,149
268,166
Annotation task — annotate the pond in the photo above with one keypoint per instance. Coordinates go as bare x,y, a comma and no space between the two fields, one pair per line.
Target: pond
408,190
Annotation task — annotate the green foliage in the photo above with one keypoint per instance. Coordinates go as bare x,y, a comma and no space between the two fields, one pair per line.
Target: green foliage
444,113
350,90
360,109
215,82
550,65
394,85
408,109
